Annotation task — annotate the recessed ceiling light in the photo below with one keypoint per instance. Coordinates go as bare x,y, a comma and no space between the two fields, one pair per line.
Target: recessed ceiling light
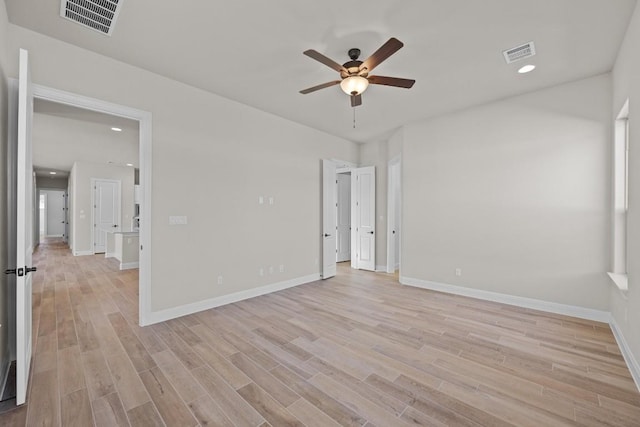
129,164
527,69
116,129
52,173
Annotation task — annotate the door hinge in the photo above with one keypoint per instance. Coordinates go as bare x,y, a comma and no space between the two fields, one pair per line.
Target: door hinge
140,247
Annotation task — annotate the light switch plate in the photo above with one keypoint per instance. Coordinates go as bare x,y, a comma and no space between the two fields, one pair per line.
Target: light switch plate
177,220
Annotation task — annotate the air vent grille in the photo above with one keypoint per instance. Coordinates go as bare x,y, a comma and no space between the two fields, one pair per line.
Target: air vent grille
519,52
98,15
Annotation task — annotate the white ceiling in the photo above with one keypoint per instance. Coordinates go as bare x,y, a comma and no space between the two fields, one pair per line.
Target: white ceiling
63,135
251,51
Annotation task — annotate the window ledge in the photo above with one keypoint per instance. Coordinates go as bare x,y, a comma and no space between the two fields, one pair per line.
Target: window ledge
621,282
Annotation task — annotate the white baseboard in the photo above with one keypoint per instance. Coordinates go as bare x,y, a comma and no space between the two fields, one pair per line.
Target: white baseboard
535,304
82,253
129,265
632,363
184,310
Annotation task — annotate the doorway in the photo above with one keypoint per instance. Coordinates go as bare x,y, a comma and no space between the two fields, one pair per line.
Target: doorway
394,213
52,213
107,212
361,212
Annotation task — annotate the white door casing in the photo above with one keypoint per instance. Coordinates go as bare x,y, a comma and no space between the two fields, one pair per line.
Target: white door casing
106,210
394,194
24,229
343,217
328,219
363,181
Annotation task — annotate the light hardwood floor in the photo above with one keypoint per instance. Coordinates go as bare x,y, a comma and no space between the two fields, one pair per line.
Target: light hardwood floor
358,349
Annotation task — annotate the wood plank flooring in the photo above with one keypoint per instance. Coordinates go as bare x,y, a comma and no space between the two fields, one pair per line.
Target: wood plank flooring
355,350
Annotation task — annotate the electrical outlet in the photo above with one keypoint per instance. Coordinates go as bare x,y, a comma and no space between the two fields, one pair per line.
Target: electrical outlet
219,280
271,200
271,269
458,272
261,272
281,268
260,200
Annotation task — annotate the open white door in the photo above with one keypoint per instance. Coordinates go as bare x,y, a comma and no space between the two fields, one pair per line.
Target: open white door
106,211
364,188
24,229
329,199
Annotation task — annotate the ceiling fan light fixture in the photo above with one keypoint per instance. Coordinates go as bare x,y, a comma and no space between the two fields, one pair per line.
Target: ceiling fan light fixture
354,85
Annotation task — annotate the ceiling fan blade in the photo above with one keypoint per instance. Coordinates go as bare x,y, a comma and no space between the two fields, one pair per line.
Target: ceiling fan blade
385,51
391,81
326,61
322,86
356,100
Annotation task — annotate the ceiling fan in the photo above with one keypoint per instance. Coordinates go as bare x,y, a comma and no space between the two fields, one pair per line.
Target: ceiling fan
354,74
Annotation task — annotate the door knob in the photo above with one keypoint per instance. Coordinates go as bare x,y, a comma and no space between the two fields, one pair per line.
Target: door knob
371,232
327,235
29,269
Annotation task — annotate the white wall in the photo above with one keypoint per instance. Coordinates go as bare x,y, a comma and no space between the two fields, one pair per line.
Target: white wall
626,85
516,193
82,208
212,158
4,294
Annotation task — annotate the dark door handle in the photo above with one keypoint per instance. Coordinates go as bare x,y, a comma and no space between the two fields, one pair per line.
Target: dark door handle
29,269
10,271
371,232
327,235
394,231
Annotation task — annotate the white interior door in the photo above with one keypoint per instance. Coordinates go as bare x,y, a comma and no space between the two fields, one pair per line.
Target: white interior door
343,217
54,213
364,189
24,229
106,211
328,219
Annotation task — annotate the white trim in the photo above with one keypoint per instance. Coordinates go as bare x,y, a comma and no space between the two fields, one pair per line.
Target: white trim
184,310
82,253
129,265
145,129
621,281
627,354
535,304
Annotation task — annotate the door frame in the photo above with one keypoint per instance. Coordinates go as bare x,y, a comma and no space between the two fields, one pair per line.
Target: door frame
394,176
145,149
94,182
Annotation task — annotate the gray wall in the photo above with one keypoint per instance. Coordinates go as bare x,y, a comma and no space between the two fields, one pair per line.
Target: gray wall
626,85
212,159
4,333
516,193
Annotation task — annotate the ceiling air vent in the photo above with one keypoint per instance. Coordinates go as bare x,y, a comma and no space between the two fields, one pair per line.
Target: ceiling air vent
519,52
98,15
